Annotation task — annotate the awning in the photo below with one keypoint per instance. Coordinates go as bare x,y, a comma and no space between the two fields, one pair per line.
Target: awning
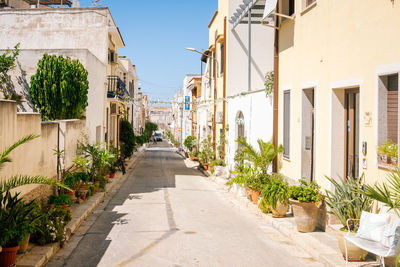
269,11
257,8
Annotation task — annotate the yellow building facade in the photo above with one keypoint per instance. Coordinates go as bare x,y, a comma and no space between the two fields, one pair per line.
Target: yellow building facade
217,71
339,64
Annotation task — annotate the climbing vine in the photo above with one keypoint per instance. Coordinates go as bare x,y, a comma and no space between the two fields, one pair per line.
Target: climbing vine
59,88
269,83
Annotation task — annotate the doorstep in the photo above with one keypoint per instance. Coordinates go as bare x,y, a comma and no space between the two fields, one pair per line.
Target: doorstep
38,256
322,246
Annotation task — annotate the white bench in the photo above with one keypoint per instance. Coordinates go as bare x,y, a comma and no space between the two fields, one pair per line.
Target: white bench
378,234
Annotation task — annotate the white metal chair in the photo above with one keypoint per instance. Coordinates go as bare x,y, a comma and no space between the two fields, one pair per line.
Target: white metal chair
391,233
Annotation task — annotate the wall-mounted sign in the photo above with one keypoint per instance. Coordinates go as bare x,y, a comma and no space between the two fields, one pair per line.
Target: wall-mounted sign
187,102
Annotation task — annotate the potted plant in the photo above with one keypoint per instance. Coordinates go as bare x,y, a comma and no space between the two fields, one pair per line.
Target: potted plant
276,195
62,200
72,181
305,199
255,184
190,142
14,226
387,153
31,223
347,201
207,153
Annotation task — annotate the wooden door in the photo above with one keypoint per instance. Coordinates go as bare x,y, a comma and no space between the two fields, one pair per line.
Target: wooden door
352,133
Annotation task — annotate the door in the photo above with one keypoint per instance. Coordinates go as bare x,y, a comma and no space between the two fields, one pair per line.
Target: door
352,123
307,151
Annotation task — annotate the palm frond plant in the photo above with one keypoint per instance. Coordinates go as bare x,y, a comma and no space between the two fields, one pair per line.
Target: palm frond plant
4,155
348,199
261,159
389,194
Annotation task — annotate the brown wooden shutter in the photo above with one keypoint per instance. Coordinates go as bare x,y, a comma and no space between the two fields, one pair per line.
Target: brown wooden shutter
392,108
286,124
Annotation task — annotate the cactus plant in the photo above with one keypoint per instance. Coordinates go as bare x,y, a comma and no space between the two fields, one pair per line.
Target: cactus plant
59,88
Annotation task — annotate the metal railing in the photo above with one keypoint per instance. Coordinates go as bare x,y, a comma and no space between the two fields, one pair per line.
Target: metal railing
116,87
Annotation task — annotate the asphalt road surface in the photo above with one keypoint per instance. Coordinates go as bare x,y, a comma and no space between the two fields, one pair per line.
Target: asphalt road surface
165,214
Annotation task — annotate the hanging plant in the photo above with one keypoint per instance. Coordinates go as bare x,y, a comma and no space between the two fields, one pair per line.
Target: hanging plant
269,83
59,88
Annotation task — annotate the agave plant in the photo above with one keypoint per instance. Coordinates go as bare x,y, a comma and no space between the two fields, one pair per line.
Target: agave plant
261,159
14,181
389,194
348,199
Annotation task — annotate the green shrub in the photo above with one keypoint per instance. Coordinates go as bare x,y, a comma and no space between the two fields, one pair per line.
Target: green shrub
59,88
264,206
276,190
72,181
127,138
190,142
51,226
59,200
305,192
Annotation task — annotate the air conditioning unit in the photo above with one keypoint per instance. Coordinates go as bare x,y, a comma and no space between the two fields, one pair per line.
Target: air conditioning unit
219,118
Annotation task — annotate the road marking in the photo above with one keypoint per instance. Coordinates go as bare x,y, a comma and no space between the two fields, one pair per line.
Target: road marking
171,224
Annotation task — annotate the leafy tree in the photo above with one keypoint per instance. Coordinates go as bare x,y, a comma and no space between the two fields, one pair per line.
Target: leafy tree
7,63
149,129
59,88
190,142
127,138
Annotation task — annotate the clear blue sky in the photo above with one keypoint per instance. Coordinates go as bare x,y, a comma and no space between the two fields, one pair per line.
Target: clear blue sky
156,33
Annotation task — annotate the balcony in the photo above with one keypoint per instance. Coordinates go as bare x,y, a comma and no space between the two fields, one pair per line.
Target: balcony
116,88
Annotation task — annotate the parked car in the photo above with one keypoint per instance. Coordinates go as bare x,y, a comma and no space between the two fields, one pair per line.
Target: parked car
158,136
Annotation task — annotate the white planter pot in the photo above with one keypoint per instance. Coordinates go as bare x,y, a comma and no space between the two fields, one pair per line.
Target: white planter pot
242,191
234,188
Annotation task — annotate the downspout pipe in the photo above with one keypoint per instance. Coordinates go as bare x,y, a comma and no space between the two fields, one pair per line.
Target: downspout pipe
224,91
276,90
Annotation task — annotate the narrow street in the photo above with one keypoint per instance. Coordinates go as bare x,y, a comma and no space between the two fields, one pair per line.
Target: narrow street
165,214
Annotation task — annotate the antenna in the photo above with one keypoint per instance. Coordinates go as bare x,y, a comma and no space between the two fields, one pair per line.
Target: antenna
96,2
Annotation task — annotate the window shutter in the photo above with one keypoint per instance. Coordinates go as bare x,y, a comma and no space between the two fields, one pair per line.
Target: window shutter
286,124
392,108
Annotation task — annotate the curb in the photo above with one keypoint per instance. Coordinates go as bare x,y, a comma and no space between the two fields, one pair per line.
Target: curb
38,256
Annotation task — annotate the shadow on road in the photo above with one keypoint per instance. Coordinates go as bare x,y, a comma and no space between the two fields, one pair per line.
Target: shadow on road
155,170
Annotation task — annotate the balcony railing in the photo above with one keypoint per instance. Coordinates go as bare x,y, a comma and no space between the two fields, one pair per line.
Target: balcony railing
116,87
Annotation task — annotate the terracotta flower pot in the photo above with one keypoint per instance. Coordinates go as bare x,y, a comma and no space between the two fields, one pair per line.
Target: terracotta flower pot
192,158
112,174
23,245
254,196
206,167
280,210
1,248
8,256
65,206
70,193
354,253
305,214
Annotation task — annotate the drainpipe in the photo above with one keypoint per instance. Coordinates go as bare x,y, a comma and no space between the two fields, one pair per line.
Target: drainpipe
276,84
224,92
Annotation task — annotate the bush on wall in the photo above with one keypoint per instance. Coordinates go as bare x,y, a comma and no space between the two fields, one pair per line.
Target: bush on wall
59,88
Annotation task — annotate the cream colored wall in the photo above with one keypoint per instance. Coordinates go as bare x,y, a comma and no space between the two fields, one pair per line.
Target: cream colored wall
336,44
37,156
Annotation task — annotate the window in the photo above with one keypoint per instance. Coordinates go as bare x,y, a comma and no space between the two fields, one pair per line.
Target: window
213,63
307,3
388,111
222,58
288,7
286,124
